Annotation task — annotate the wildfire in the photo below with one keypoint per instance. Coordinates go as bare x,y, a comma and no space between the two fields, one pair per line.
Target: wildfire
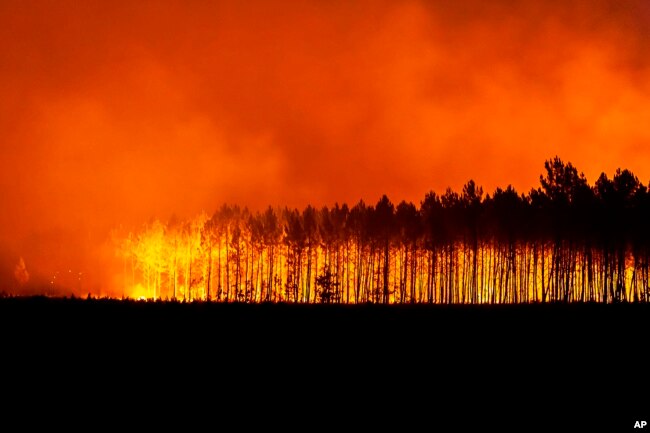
456,248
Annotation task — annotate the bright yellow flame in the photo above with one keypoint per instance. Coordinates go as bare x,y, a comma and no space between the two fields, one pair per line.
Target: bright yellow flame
203,260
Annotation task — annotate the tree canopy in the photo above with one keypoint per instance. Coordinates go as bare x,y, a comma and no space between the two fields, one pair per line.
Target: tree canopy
563,241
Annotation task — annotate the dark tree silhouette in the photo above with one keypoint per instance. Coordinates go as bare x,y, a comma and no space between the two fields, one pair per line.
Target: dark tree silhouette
565,241
327,287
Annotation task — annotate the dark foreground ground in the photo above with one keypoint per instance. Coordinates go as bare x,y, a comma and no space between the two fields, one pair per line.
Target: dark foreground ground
558,367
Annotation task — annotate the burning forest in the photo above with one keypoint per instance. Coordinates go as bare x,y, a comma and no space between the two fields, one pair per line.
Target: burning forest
564,241
194,190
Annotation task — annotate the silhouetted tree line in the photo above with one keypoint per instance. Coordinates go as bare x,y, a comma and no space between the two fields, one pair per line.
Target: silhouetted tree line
564,241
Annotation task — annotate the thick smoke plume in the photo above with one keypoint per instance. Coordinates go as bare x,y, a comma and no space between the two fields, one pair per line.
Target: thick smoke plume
116,112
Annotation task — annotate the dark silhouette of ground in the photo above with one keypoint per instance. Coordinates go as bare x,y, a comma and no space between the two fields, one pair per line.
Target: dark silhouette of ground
496,365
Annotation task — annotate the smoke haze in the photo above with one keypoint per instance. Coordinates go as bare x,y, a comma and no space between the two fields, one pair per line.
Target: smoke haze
116,112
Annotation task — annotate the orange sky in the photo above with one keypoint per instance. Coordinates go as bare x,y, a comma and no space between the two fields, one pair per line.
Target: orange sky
113,112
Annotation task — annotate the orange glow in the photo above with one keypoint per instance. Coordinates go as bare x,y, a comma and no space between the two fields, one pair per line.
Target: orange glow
114,113
234,256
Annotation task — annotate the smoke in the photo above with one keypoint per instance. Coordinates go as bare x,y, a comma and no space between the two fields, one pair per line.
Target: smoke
20,273
114,113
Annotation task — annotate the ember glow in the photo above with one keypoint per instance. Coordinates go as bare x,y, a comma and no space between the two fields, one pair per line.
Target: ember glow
115,114
565,241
